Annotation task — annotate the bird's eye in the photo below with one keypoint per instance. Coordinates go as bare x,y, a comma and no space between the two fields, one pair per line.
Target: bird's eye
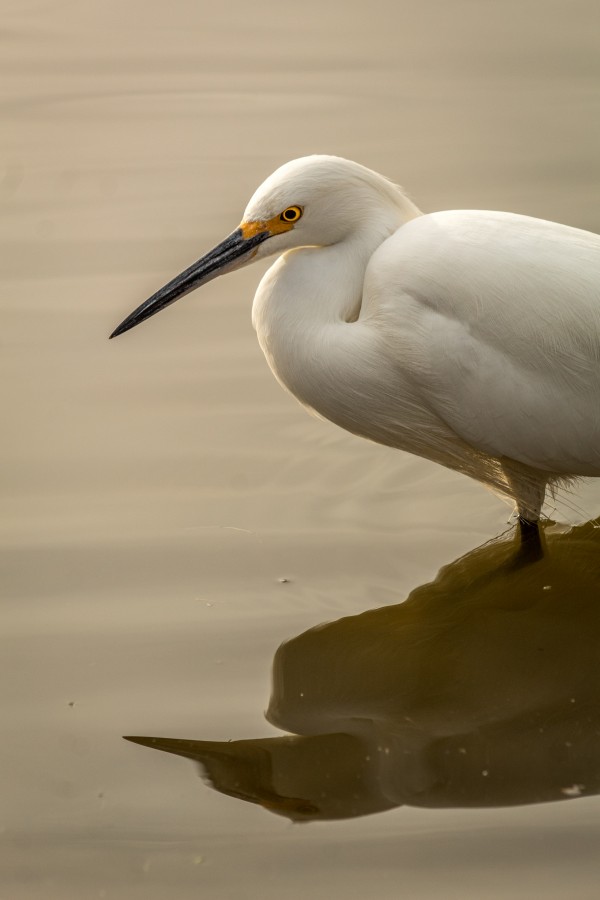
291,214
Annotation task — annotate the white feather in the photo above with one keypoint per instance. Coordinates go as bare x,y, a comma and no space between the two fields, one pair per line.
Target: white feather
471,338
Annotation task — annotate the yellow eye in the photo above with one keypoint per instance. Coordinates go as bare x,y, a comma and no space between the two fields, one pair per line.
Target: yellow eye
291,214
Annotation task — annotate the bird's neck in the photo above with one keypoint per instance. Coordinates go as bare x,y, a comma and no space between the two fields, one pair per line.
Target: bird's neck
304,307
309,287
305,291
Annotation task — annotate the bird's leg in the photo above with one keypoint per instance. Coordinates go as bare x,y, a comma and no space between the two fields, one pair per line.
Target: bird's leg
529,531
531,548
528,547
528,488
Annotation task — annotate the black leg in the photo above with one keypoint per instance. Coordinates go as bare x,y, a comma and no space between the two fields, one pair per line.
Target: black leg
531,548
529,530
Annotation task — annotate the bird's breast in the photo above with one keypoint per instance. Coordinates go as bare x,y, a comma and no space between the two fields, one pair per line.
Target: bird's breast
362,375
345,373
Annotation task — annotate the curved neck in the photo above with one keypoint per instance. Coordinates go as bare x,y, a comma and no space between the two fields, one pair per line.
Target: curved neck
310,286
303,296
303,310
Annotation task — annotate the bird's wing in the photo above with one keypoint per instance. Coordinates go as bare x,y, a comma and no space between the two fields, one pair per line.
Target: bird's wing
498,318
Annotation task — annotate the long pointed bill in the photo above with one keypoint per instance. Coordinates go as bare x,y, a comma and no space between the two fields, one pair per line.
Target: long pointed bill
233,252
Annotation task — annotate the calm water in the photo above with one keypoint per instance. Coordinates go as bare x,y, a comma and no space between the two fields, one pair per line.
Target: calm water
172,517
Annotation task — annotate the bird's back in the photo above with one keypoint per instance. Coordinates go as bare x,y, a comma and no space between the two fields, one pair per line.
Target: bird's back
497,316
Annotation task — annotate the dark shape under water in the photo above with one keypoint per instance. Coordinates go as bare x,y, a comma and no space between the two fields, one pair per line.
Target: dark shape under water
481,689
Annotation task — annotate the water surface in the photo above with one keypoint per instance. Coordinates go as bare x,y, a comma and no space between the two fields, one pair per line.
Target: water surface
172,517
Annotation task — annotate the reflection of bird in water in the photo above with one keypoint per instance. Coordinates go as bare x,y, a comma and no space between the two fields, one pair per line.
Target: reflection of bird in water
469,338
481,689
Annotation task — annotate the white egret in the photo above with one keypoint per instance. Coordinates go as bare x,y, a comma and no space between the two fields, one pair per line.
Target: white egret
468,337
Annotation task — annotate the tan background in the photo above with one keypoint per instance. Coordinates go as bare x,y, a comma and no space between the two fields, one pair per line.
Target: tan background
157,488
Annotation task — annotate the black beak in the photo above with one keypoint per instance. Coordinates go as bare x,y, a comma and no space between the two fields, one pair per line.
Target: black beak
229,255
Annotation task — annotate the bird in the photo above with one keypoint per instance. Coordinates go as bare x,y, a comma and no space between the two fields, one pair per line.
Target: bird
470,338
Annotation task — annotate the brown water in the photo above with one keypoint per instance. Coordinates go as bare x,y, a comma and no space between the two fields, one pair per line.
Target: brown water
171,516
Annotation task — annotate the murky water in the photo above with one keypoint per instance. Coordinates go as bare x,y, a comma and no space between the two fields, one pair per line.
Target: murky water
172,517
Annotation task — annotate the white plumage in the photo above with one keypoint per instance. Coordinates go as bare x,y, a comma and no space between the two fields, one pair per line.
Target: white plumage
467,337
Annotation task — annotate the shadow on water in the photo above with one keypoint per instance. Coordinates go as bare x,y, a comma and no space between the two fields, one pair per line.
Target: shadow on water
481,689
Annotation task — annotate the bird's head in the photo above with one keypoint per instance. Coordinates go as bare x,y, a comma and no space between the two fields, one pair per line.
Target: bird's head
312,201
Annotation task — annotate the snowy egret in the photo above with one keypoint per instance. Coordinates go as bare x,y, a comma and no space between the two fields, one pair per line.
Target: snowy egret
467,337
